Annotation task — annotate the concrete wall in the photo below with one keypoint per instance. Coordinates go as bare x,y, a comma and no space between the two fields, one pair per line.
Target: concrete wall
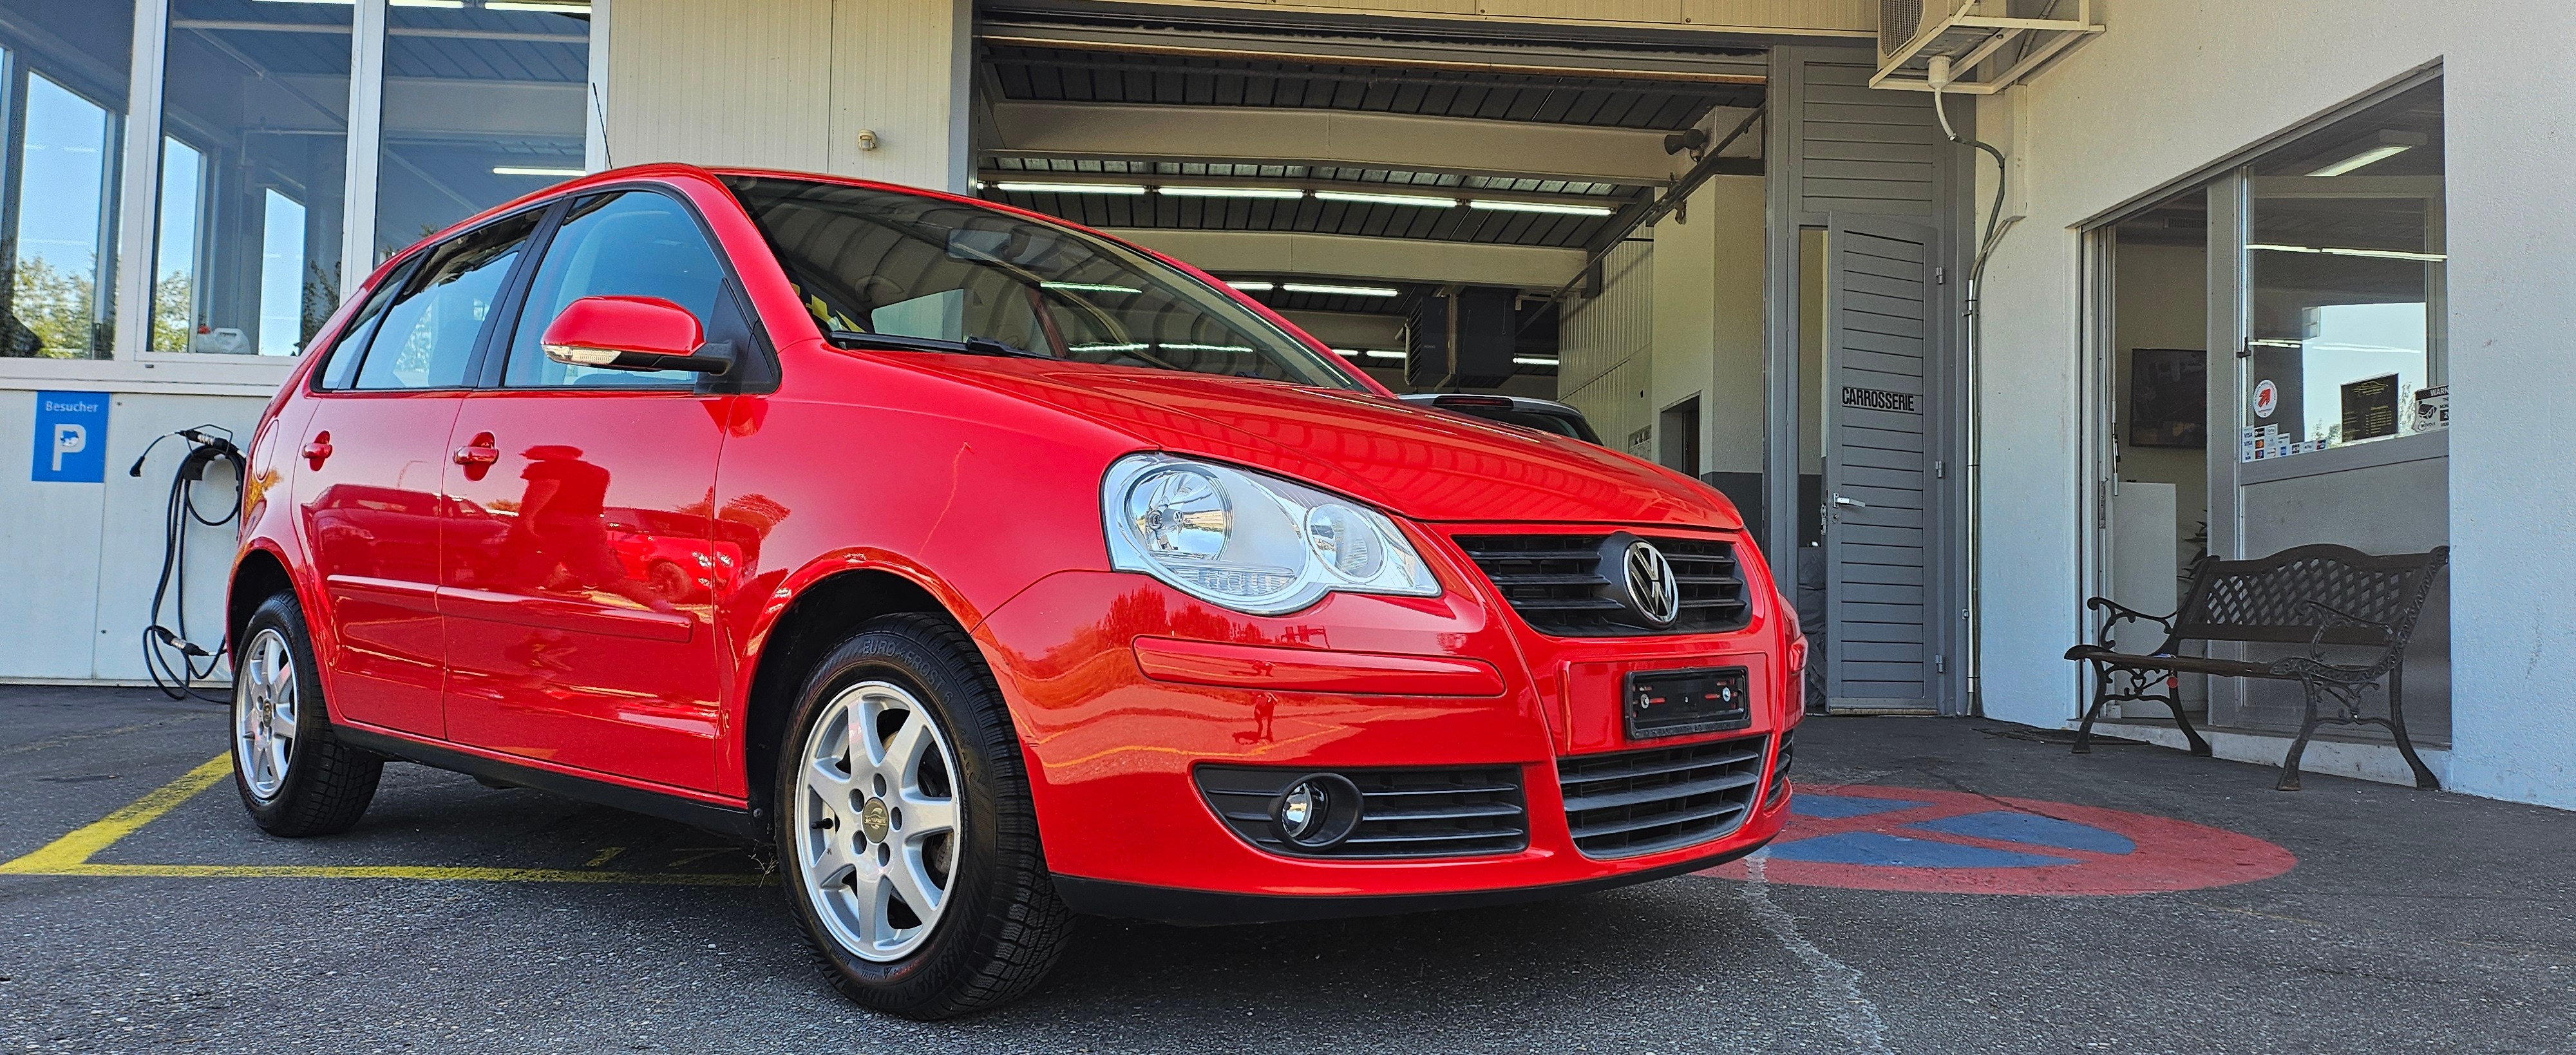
2176,85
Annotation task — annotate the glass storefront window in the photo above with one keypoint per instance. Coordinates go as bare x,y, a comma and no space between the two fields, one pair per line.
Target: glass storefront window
481,105
255,126
65,63
2344,262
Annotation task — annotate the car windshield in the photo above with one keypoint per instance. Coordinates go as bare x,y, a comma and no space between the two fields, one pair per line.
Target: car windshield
918,272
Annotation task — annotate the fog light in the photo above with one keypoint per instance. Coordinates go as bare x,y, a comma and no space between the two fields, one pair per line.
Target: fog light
1317,811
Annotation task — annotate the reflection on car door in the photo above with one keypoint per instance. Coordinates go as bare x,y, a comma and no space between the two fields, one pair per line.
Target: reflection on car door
578,571
367,477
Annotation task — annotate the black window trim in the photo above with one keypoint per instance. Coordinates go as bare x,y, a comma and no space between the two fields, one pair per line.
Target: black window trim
402,283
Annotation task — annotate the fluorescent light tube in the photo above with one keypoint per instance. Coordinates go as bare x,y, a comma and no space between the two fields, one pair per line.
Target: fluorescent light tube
1533,361
1375,354
1341,291
1539,206
1230,192
1254,287
556,7
1360,198
1071,188
534,170
2382,254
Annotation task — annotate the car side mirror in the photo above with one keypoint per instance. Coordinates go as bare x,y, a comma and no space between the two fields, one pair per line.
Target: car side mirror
632,333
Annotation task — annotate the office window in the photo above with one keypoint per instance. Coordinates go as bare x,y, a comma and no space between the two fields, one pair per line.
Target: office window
2344,260
65,63
174,253
257,94
482,104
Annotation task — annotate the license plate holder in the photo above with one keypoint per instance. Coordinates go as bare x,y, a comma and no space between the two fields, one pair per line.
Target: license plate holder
1662,703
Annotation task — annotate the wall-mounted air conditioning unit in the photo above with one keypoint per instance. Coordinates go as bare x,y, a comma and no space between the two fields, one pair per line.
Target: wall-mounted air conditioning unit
1989,43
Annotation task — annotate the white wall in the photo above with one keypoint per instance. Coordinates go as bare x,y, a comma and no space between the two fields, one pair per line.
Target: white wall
791,83
2175,85
85,556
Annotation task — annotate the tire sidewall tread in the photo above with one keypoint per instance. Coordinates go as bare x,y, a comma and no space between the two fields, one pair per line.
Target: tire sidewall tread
328,784
1004,926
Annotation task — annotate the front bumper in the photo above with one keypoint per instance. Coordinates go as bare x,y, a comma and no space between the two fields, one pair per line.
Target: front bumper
1112,748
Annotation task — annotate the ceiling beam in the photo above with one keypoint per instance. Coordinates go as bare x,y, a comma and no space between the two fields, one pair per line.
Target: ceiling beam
1261,135
1350,329
1281,253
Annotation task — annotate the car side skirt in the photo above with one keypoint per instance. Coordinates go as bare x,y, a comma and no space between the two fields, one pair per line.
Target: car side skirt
1101,897
731,822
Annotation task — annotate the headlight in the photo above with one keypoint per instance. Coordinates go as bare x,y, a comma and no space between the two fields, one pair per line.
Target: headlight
1250,541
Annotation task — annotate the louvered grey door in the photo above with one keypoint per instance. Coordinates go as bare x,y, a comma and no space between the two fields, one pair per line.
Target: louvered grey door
1878,480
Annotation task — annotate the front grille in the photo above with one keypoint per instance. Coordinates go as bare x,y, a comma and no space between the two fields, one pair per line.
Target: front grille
1569,585
1403,812
1638,802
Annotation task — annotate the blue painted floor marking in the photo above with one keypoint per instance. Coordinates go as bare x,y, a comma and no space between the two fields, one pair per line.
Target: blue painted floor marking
1837,807
1897,851
2018,827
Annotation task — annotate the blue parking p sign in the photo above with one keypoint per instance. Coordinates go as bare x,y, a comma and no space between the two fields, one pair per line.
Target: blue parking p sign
71,437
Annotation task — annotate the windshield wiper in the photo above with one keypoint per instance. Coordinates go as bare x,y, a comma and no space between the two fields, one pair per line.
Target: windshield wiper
897,342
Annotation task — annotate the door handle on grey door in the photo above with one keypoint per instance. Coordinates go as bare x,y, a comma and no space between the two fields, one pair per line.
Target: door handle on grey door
1851,502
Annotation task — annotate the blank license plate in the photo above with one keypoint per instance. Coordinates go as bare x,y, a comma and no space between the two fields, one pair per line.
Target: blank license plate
1681,702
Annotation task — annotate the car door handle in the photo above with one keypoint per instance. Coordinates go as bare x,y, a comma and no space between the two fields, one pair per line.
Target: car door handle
318,450
474,455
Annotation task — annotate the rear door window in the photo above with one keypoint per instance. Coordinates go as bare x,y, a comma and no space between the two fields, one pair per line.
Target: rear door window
428,334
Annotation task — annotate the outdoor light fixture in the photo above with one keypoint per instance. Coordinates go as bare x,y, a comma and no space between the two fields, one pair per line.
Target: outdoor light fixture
1089,287
1071,188
2383,254
534,170
1230,192
1361,198
2378,148
1339,291
1539,206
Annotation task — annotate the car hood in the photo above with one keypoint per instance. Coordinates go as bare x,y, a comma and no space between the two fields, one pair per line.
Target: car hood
1424,464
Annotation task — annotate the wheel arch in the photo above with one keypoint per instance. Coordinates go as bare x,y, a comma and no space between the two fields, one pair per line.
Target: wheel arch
257,576
820,617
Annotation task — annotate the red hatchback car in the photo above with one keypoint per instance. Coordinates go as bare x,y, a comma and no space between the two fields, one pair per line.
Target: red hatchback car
991,570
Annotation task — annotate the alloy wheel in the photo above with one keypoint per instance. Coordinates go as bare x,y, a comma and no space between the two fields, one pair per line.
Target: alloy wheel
877,820
264,714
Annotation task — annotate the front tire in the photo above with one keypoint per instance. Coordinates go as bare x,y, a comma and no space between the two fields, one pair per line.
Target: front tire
906,834
294,774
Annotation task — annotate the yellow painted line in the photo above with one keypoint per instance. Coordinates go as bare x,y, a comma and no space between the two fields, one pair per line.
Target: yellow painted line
417,872
70,855
78,847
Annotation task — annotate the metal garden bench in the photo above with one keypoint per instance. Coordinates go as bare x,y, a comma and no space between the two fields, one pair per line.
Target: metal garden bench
2319,596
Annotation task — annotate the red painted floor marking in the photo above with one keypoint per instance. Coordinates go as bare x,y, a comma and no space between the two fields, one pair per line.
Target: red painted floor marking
2169,854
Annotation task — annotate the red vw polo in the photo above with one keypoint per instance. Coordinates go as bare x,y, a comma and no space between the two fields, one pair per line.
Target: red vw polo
991,570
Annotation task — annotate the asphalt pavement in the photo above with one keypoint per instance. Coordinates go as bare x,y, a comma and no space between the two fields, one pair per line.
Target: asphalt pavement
457,917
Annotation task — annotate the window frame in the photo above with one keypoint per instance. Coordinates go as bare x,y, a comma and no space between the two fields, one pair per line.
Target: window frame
407,270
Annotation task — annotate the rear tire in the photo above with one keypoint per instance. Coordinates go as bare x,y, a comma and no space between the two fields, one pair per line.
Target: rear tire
991,925
294,775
